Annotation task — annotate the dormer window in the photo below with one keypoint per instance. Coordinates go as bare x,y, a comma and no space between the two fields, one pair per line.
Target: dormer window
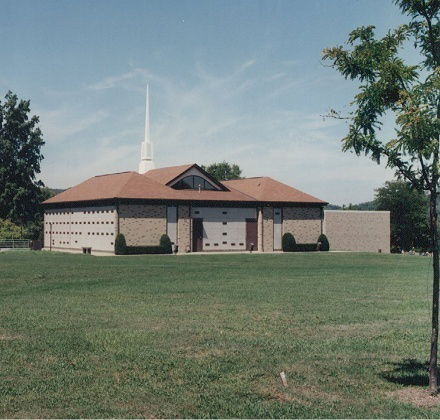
193,182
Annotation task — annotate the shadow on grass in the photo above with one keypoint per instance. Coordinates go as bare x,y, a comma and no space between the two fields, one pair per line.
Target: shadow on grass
409,372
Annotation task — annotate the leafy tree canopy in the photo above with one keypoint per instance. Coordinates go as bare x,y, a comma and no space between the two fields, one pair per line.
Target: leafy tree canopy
9,230
20,157
412,93
409,210
223,171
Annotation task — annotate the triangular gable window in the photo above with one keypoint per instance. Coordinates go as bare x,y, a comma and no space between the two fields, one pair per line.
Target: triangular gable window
193,182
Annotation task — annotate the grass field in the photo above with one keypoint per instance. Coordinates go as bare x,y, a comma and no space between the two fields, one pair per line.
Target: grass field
208,335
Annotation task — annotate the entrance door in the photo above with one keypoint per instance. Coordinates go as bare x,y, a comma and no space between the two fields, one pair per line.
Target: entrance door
197,235
251,234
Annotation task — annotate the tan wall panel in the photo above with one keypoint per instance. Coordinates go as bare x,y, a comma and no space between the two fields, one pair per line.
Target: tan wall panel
184,228
80,227
142,224
364,231
267,229
304,223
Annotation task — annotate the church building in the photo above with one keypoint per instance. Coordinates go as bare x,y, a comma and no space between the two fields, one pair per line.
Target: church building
197,212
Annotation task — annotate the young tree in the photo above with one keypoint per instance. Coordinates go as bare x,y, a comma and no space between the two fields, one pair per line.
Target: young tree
412,93
20,157
223,171
409,209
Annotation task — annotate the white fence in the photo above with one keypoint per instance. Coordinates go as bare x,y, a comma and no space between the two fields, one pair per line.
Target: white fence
14,244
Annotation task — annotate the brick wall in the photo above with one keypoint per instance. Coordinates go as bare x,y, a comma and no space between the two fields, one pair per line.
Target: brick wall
184,228
142,224
364,231
304,223
267,229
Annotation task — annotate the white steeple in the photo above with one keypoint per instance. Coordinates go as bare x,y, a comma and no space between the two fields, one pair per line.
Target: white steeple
147,148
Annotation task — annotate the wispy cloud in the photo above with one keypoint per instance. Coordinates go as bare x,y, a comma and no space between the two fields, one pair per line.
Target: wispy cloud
112,81
248,116
61,124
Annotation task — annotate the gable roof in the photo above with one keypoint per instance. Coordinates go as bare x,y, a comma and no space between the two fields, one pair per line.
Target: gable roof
269,190
167,175
135,186
151,186
120,185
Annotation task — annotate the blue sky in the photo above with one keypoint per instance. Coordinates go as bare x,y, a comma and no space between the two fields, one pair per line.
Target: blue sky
234,80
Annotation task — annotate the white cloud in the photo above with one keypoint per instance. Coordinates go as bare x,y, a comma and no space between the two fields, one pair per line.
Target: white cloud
238,117
61,124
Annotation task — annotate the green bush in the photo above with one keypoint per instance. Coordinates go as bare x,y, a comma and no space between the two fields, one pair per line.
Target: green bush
120,245
325,245
288,242
147,249
165,243
305,247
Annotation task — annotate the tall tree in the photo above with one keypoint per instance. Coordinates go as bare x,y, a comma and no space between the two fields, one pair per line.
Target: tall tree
412,93
223,171
20,157
409,210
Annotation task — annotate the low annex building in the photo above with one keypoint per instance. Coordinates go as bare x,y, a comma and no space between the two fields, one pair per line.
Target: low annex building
196,211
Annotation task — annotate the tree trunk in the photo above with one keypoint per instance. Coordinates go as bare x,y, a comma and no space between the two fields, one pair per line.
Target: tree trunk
433,386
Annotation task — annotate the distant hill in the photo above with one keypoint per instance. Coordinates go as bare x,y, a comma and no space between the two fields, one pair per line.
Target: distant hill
368,205
56,191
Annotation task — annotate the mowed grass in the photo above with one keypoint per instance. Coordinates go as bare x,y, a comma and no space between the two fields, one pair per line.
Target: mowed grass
208,335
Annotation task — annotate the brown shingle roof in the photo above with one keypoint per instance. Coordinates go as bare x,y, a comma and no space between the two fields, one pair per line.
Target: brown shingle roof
135,186
121,185
268,189
132,185
165,175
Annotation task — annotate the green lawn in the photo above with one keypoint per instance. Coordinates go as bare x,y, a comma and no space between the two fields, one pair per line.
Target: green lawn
208,335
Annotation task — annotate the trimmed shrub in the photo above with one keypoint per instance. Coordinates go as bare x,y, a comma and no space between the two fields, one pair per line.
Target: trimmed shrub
288,242
165,243
325,245
120,244
305,247
142,250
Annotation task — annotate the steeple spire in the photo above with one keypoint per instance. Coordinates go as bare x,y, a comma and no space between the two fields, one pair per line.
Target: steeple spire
147,148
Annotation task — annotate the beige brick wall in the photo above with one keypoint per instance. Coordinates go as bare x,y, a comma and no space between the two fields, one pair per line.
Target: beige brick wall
267,229
304,223
364,231
142,224
184,228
